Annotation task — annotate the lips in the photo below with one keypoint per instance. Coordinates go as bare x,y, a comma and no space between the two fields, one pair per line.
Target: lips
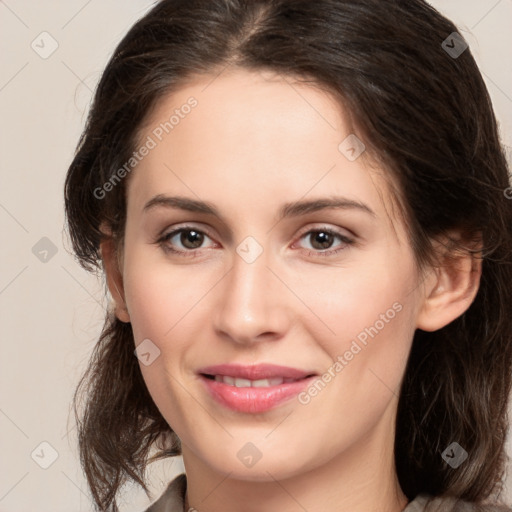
255,388
255,372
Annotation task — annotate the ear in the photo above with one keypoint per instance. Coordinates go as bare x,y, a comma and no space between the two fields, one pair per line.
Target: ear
451,287
113,274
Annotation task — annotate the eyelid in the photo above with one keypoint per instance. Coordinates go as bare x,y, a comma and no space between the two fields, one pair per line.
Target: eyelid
169,233
323,226
196,226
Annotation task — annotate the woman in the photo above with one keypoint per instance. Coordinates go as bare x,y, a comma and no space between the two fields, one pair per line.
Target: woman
300,210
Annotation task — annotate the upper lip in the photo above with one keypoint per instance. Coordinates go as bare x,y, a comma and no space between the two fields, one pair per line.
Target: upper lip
255,372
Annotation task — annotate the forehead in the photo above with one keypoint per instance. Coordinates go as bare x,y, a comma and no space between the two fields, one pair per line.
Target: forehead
245,110
245,136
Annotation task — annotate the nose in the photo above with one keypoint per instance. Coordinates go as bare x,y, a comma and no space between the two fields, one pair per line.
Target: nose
252,304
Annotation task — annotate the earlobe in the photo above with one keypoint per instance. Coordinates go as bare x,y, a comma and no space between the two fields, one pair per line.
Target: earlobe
449,290
114,277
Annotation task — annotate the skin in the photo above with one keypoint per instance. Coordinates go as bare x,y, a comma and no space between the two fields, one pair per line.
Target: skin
254,142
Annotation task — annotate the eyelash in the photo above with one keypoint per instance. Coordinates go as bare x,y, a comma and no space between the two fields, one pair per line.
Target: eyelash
163,242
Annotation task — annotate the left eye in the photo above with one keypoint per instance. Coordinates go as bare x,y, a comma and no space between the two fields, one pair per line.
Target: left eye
322,239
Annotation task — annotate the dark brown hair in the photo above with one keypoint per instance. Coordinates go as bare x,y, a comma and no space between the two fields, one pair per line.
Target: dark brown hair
425,114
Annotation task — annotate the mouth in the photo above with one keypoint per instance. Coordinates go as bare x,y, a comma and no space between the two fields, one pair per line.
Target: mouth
255,372
247,383
255,388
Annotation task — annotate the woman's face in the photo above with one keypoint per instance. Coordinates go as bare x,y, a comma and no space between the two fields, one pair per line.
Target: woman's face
266,280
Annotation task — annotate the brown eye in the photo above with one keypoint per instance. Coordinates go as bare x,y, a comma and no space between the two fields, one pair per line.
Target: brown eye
321,239
184,241
191,239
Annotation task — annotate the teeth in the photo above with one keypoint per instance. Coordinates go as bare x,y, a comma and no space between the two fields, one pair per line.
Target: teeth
246,383
242,383
263,383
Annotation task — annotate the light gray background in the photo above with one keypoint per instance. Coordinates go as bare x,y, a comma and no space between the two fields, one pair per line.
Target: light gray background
52,311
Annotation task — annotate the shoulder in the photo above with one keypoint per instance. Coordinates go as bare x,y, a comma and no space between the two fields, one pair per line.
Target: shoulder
173,498
427,503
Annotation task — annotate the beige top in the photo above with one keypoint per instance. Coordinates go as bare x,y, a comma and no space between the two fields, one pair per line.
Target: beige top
173,500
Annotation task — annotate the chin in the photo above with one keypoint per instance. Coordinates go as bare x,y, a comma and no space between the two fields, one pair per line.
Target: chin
267,469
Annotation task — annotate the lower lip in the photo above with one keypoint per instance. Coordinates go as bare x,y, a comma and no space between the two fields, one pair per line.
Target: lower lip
253,400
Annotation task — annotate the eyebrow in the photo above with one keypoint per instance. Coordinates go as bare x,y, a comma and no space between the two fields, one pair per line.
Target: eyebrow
293,209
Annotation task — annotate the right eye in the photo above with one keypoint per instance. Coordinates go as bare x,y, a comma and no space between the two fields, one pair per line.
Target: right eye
189,237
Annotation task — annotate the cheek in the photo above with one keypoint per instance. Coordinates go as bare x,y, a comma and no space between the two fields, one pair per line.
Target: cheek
158,295
365,324
354,302
163,303
368,355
